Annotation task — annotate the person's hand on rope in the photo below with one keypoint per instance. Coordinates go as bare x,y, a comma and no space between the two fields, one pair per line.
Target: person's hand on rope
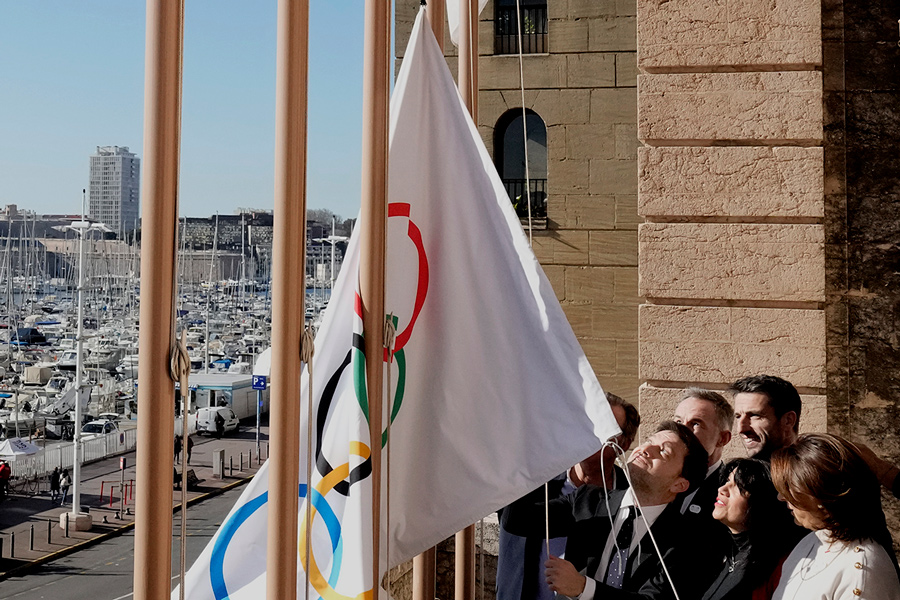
563,578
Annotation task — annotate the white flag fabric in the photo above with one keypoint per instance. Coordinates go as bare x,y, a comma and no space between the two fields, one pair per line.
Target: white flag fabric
490,393
453,18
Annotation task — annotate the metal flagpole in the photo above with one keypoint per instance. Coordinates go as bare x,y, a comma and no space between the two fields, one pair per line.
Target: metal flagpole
468,88
156,394
425,564
376,72
288,295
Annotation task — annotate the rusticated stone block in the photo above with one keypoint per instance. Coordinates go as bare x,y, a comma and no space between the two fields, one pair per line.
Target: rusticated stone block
618,105
568,35
658,404
626,69
587,8
615,321
556,107
732,261
613,248
601,353
769,107
562,247
729,33
541,71
591,70
613,176
590,284
556,275
591,140
586,212
612,34
569,176
731,181
722,344
626,212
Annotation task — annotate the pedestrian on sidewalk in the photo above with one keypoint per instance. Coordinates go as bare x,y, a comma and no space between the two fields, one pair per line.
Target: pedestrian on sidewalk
177,448
54,484
5,474
220,425
190,446
64,483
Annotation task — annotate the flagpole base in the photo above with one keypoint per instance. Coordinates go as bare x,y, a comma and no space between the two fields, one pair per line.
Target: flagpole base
77,521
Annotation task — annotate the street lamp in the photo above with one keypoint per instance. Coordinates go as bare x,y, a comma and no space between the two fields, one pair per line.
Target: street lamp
82,521
332,239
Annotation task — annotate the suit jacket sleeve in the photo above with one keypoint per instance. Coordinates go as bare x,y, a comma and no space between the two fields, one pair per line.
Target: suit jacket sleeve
525,517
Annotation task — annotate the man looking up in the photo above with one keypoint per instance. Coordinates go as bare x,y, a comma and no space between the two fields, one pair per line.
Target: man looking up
608,552
766,414
709,416
520,560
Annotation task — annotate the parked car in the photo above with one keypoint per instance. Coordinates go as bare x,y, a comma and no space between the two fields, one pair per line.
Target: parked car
206,419
96,429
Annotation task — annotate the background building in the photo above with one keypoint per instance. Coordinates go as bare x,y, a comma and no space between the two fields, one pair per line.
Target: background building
115,184
581,118
721,192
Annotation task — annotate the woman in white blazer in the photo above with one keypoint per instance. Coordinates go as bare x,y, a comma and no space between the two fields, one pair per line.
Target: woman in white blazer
831,491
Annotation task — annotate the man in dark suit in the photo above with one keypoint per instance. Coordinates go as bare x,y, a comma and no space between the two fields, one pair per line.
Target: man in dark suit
520,560
609,554
709,416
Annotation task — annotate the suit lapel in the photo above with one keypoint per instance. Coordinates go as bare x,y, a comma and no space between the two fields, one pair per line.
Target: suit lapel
645,554
606,505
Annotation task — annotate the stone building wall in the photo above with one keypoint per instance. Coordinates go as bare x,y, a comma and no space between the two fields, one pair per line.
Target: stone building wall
584,89
730,187
862,230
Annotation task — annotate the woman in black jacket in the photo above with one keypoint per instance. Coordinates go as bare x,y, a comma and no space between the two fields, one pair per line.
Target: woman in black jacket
762,530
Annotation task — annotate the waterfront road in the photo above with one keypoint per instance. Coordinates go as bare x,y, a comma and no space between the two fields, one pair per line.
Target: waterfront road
105,570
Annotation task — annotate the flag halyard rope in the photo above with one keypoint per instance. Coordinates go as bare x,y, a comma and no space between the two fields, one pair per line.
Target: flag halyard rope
307,350
524,129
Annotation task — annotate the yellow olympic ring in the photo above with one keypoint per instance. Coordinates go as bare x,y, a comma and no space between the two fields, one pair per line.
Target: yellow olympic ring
318,581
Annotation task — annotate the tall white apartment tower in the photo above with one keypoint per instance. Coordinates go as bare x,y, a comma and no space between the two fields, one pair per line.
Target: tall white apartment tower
115,188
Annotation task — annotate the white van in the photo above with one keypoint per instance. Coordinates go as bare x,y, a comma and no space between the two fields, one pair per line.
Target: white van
206,419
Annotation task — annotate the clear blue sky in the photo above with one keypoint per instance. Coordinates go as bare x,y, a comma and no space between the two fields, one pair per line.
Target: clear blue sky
72,79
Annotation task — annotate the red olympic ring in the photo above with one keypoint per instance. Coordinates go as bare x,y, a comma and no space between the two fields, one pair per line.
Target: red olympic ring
402,209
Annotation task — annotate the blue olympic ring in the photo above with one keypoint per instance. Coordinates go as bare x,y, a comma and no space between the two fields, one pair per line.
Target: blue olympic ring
230,527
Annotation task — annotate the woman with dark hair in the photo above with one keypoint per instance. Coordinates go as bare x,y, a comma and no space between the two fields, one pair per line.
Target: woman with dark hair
831,491
760,528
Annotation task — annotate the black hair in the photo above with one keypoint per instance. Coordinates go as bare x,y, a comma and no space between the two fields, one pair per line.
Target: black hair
696,458
783,396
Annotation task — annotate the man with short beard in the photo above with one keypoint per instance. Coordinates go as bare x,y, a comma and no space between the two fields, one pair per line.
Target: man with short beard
766,414
520,560
608,552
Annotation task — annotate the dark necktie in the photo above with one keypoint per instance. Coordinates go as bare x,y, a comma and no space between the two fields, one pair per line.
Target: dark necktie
616,571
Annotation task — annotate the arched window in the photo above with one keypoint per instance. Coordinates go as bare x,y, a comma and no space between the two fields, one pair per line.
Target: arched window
509,154
533,20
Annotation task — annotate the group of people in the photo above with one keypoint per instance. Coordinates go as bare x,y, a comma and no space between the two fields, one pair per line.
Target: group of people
179,445
59,486
799,518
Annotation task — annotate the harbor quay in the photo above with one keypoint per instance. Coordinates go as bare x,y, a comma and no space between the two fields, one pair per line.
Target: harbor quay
32,528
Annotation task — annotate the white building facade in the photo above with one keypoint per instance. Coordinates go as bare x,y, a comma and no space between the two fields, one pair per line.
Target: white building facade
115,185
